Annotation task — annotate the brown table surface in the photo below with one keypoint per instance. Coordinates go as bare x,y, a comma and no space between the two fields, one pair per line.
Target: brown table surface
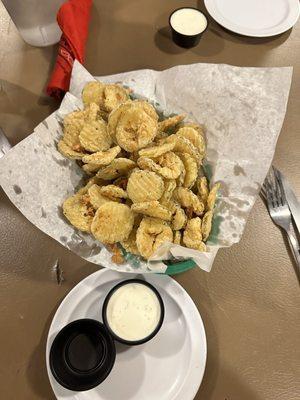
250,300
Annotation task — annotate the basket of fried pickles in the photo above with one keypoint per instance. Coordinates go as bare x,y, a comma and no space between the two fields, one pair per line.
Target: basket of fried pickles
145,183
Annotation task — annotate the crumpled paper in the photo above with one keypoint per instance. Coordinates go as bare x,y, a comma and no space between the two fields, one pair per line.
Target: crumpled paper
242,110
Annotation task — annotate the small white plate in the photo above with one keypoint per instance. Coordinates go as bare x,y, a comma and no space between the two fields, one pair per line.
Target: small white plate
169,367
258,18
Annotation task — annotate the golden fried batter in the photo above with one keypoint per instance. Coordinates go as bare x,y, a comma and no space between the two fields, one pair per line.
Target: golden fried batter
113,192
94,136
144,186
156,151
194,137
130,243
168,165
112,223
151,234
114,95
101,158
192,236
170,185
211,199
188,199
93,93
202,188
79,212
118,167
66,151
183,145
191,169
170,122
121,204
135,129
152,209
206,225
71,133
179,218
96,197
177,237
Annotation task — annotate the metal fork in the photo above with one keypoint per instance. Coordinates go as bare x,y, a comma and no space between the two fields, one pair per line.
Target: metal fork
273,192
4,144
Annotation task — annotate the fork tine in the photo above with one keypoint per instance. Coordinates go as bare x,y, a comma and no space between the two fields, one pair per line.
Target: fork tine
277,186
279,182
263,195
276,190
270,192
263,192
269,196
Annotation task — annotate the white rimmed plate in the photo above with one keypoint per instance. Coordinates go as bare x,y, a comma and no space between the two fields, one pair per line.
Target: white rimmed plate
169,367
258,18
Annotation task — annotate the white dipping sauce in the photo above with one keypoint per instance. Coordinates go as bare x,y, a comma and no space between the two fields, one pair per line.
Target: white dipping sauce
188,21
133,311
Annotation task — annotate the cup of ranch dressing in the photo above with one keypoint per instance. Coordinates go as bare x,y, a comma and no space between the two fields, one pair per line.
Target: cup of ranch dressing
187,26
133,312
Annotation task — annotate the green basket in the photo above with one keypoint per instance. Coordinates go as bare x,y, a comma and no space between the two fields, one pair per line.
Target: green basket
176,267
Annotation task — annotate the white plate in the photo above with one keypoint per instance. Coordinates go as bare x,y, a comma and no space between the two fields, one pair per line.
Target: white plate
259,18
169,367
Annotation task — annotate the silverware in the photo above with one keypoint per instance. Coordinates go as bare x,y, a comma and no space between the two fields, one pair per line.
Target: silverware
4,144
279,210
292,201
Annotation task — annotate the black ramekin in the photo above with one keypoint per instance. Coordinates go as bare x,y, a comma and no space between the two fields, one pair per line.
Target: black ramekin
186,41
162,312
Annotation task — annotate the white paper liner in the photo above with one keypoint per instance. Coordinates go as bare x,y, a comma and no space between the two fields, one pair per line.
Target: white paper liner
242,110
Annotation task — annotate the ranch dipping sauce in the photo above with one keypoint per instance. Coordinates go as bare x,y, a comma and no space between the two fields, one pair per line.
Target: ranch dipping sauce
188,21
133,311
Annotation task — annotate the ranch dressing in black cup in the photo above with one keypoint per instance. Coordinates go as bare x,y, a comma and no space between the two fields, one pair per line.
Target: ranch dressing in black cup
187,26
133,312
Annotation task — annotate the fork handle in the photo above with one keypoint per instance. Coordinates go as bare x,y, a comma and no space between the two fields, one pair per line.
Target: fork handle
295,248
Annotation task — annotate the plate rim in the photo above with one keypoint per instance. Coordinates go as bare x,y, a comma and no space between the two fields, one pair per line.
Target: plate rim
211,8
201,340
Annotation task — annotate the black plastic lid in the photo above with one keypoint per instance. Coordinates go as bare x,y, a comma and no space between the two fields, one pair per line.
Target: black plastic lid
82,355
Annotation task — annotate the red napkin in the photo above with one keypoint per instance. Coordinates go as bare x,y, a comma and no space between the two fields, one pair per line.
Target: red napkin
73,17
